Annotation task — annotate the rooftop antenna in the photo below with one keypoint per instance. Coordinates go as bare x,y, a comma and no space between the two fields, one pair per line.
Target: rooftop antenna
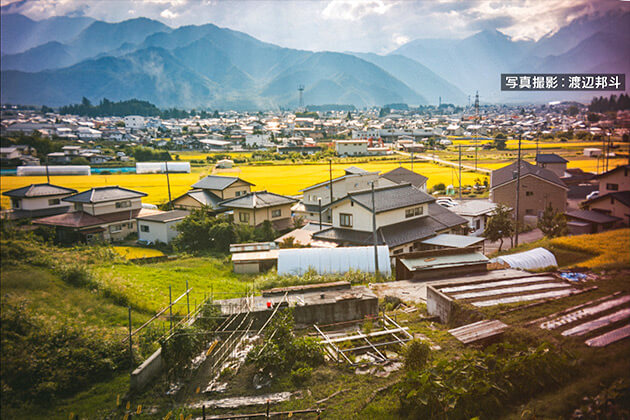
301,96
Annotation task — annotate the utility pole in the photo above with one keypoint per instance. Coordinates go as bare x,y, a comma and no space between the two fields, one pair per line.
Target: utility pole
130,343
460,171
168,185
412,160
376,271
518,190
47,174
330,176
319,203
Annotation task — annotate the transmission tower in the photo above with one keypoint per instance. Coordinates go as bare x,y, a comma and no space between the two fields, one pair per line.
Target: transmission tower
301,96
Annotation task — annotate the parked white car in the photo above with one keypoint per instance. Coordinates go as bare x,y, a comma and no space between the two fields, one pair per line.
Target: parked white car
592,195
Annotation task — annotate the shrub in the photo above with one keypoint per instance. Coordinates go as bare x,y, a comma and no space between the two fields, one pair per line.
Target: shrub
416,354
76,275
301,374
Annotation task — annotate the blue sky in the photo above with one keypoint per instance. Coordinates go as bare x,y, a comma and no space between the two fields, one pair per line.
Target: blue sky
338,25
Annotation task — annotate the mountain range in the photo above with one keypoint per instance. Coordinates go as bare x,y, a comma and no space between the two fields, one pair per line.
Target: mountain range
59,60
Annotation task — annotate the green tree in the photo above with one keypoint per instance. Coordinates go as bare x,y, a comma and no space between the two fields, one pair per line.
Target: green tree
553,223
500,225
79,161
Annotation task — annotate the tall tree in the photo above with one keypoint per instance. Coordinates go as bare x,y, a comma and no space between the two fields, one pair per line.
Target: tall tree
500,225
552,223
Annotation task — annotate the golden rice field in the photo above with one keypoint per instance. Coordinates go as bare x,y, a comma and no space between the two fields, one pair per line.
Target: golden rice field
281,179
132,252
611,248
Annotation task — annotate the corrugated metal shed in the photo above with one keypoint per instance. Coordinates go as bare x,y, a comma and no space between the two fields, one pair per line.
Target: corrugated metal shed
53,170
529,260
160,167
454,241
333,260
443,261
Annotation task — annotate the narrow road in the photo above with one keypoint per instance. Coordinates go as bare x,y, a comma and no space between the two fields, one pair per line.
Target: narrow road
523,238
446,162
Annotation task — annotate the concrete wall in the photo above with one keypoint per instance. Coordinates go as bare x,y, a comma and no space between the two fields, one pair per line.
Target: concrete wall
263,214
362,218
110,207
535,194
147,371
38,203
621,178
158,231
340,311
438,304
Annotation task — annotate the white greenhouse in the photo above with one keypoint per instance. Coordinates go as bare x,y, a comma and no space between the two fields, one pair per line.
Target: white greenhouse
53,170
333,260
533,259
160,167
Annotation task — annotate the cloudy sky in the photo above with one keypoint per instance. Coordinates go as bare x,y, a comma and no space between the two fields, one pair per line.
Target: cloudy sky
337,25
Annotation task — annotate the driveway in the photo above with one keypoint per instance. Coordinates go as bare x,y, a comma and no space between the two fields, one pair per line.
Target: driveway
523,238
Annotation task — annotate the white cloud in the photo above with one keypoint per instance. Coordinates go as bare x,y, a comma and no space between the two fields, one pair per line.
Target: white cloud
400,39
355,9
167,14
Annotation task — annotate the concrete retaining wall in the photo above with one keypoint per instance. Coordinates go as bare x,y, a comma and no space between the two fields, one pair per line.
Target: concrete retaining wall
340,311
438,304
147,371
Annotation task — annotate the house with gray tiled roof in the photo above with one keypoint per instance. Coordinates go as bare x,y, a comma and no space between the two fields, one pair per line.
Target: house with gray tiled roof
538,188
209,191
256,207
100,214
38,200
405,216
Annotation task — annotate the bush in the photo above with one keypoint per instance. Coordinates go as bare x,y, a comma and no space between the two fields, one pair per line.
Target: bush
416,354
301,374
76,275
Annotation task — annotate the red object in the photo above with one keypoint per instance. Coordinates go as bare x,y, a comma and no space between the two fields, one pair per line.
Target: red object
268,305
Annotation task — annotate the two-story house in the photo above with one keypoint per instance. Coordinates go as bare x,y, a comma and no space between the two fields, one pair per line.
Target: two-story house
100,214
539,187
38,200
556,164
208,192
352,180
613,201
405,216
402,175
256,207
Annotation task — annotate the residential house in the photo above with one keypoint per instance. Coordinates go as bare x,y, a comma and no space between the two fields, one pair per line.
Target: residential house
160,227
405,216
402,175
208,192
477,212
351,147
134,122
538,188
38,200
256,207
556,164
615,180
100,214
353,179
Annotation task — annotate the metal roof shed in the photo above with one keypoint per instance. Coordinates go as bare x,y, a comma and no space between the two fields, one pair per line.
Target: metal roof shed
333,260
533,259
447,240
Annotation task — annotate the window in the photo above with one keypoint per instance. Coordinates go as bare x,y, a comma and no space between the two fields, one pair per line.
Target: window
243,217
144,228
238,194
53,201
477,224
276,213
612,187
123,204
345,219
78,206
529,193
416,211
115,228
15,203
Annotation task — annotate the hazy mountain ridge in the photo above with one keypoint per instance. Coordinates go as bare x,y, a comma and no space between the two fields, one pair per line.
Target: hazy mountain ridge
220,67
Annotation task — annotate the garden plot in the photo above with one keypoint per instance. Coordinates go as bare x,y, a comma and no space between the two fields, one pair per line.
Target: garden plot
496,292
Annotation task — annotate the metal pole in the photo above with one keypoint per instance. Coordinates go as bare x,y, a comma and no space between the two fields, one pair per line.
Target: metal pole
319,203
412,160
203,412
47,174
518,190
604,152
130,343
170,308
460,171
187,299
331,183
168,185
376,271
